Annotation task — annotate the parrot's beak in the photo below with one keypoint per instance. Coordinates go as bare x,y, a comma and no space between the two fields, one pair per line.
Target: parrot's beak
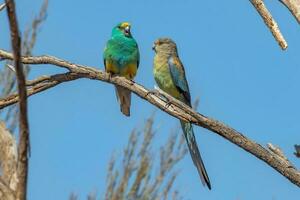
127,30
153,47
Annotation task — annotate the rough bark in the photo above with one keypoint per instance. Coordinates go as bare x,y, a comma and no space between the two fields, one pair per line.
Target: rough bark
270,22
23,146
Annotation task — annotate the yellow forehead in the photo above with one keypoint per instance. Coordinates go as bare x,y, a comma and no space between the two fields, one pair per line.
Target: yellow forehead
125,24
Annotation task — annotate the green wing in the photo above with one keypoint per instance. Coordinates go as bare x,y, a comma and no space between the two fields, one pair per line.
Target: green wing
178,76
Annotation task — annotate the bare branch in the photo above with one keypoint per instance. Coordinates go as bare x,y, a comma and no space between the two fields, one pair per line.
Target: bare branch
270,22
172,107
2,6
39,85
8,77
12,68
294,7
23,127
30,34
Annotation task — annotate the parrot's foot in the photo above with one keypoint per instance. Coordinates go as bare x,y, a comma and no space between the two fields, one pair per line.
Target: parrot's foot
110,75
168,103
132,82
167,99
161,95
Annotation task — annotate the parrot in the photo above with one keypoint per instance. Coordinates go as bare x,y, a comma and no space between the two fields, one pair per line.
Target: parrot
121,57
169,74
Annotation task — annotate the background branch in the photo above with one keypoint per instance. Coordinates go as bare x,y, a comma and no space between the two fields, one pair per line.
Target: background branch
294,7
170,106
8,76
2,6
23,147
136,178
136,174
270,22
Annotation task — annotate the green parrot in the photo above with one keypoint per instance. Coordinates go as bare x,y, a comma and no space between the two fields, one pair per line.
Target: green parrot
121,57
170,76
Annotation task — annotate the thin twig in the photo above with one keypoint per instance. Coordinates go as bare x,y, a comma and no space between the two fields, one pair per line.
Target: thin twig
23,147
171,106
2,6
135,179
270,22
294,7
8,82
12,68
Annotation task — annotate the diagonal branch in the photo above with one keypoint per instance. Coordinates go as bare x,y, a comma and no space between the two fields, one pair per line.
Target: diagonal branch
270,22
39,85
294,7
170,106
23,147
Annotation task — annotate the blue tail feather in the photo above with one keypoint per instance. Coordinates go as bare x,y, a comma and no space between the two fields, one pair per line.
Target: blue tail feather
194,152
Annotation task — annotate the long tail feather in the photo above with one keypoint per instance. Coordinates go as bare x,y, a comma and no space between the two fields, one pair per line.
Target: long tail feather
124,99
195,153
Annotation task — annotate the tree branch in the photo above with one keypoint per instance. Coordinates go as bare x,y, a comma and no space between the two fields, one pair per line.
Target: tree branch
270,22
8,81
23,148
170,106
294,7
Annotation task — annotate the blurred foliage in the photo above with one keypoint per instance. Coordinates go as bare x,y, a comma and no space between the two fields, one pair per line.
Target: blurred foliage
138,174
7,76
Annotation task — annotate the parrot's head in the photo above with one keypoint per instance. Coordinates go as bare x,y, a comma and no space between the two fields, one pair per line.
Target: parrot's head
122,28
165,45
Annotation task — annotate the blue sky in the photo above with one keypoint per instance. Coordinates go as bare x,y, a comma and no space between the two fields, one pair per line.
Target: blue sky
232,63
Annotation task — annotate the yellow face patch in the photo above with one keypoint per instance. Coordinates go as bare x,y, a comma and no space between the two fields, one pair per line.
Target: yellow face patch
124,25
